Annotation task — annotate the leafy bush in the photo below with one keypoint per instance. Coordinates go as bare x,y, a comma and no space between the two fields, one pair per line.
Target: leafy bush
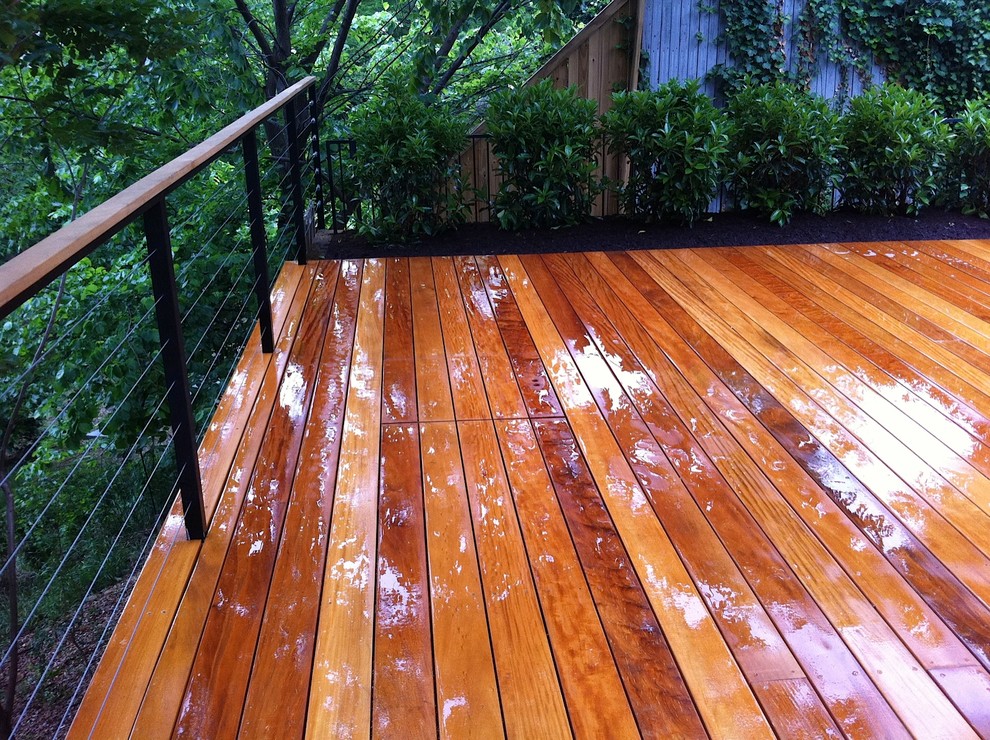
405,152
544,140
894,149
970,154
676,142
782,151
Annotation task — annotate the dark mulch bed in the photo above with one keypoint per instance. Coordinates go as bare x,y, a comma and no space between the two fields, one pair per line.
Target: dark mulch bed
721,230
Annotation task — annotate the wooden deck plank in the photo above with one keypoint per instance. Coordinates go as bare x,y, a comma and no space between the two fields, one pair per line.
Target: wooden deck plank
504,396
962,512
279,683
730,492
916,373
143,629
918,701
864,384
950,301
532,702
403,700
399,369
219,445
976,248
537,391
660,700
952,254
134,638
596,702
728,706
463,369
792,515
751,635
921,260
340,691
173,662
911,439
907,306
432,383
916,331
925,524
781,696
963,613
851,697
466,687
919,275
220,673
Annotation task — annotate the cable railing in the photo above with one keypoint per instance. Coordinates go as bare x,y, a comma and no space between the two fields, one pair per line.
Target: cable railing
118,336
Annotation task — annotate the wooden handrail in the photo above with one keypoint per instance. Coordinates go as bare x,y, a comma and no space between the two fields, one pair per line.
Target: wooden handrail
30,271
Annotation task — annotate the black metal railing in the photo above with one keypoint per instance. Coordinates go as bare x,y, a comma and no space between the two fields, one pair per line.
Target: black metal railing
118,336
478,177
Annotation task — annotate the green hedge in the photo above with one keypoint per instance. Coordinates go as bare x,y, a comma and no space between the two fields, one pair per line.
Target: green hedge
676,142
406,152
894,147
545,140
778,149
970,158
781,151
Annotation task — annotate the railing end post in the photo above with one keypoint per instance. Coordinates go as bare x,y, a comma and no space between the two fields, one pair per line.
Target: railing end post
179,398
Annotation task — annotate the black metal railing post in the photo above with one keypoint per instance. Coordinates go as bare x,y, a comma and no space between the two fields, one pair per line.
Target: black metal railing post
333,187
356,201
259,245
295,180
174,358
314,126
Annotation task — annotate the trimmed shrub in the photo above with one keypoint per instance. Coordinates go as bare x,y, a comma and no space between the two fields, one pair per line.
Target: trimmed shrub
894,147
676,141
970,155
545,141
405,155
781,151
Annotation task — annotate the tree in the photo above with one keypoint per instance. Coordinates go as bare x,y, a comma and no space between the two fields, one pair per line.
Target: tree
288,40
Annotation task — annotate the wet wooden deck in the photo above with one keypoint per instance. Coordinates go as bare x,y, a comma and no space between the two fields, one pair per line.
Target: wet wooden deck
734,492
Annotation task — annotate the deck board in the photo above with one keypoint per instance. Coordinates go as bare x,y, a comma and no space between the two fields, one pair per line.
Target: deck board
279,682
715,492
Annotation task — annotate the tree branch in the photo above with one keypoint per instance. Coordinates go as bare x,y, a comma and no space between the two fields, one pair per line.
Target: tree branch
479,36
310,59
338,50
255,27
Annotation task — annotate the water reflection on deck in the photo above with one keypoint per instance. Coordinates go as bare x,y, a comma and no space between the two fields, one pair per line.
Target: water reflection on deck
726,492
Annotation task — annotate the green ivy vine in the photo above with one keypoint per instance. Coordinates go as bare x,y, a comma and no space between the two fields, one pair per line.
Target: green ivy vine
753,34
937,46
941,47
821,31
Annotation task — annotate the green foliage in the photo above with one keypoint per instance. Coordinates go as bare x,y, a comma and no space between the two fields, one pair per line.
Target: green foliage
676,142
782,151
406,152
936,46
43,31
545,142
893,150
752,31
970,158
822,33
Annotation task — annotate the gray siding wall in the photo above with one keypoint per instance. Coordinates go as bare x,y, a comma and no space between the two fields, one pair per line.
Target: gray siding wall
671,41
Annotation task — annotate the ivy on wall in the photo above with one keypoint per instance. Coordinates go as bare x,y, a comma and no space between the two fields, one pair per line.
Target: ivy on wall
753,34
822,31
941,47
938,46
